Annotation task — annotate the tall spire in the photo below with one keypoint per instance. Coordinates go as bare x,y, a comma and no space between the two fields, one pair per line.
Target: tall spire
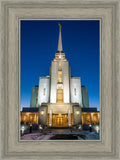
60,55
60,39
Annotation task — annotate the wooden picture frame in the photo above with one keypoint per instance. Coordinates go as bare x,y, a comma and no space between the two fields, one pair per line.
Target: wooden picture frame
12,11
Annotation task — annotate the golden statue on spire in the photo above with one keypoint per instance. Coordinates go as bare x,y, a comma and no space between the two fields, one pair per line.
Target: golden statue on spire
60,26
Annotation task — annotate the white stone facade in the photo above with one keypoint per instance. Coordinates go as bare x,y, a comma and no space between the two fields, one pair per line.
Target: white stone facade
54,77
44,90
76,96
54,80
66,81
71,88
85,98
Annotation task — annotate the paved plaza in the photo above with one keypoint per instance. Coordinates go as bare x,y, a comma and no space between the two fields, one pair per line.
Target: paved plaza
61,134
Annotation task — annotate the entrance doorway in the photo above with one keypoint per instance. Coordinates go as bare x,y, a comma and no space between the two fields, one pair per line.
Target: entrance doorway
60,120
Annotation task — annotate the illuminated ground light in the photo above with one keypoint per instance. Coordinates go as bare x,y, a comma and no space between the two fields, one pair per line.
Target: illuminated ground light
22,129
97,129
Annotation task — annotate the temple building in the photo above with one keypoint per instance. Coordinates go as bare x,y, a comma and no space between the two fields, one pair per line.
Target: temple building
59,100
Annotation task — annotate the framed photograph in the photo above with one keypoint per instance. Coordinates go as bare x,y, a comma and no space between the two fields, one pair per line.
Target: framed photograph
60,79
59,107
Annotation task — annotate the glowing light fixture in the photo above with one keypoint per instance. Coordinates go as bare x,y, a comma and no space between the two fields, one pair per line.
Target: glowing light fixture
23,129
79,127
40,127
97,129
42,112
77,112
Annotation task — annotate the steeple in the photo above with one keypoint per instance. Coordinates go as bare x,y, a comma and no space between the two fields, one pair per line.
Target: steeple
60,40
60,54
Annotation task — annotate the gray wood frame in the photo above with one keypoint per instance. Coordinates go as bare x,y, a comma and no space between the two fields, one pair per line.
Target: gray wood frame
107,11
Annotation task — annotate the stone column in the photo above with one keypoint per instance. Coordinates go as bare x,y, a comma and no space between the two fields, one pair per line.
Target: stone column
50,118
69,118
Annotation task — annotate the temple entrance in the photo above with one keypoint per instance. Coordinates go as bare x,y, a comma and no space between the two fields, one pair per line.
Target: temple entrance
60,120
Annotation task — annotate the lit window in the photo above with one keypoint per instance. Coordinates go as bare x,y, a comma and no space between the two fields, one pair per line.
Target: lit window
44,90
59,95
60,77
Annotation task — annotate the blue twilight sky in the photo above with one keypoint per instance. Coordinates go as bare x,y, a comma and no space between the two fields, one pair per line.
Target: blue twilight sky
39,41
